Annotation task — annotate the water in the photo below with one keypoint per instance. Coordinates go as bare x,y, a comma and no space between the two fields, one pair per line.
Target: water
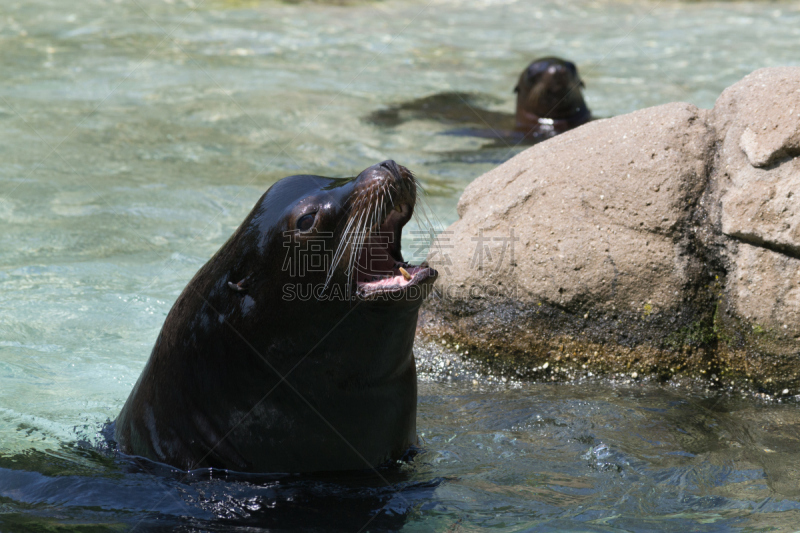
134,137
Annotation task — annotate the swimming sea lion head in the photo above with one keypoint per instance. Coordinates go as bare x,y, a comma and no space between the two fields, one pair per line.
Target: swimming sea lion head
549,88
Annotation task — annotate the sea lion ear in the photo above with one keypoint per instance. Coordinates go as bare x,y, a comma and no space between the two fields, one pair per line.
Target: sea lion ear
516,88
581,84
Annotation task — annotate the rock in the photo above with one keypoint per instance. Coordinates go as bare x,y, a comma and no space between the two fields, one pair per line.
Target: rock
758,122
761,115
601,219
589,229
763,211
763,287
657,241
757,182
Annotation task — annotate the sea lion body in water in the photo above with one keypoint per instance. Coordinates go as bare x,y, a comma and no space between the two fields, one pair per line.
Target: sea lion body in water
549,102
268,364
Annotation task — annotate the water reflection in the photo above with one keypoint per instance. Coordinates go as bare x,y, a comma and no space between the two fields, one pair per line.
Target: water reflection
44,488
134,137
580,457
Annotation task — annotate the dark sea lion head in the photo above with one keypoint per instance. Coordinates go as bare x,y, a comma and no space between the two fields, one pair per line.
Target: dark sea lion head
341,235
291,348
550,89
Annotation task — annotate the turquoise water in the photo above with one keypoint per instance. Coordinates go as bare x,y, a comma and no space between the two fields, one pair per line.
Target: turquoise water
135,136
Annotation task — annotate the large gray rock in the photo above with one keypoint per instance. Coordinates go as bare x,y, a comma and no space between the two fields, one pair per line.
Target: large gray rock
760,116
658,241
757,182
595,232
758,122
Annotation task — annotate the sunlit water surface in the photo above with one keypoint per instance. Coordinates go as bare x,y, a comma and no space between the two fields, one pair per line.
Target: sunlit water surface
135,136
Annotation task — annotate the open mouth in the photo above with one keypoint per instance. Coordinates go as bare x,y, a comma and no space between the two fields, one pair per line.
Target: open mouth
380,268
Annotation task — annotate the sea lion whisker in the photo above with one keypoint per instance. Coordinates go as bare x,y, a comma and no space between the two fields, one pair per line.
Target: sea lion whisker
352,247
347,238
345,233
338,254
375,211
433,227
382,204
345,242
355,245
389,192
358,216
369,223
375,219
422,200
380,212
361,237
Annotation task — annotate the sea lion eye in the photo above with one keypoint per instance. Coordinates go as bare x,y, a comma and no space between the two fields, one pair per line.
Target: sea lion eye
305,222
537,68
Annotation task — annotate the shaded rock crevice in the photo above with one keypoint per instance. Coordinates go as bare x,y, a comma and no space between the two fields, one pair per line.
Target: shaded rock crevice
754,239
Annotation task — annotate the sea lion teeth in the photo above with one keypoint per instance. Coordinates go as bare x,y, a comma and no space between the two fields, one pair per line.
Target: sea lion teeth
405,274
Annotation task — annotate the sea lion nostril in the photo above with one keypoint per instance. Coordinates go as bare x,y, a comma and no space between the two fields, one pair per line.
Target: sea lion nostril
391,166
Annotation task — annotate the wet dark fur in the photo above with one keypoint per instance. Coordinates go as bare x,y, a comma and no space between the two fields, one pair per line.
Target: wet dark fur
550,89
244,379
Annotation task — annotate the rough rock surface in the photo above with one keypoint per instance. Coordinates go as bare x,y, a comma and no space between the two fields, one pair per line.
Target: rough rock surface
757,210
665,241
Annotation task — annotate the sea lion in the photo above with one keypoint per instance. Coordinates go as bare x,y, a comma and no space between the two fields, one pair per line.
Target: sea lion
549,102
549,99
290,350
449,108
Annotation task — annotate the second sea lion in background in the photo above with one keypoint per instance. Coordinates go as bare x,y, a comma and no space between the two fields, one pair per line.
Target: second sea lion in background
549,99
549,102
